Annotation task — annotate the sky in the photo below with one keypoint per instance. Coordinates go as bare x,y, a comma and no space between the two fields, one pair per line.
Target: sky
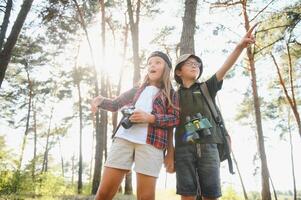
210,47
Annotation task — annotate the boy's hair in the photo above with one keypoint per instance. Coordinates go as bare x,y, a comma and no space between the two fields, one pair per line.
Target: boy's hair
166,86
181,61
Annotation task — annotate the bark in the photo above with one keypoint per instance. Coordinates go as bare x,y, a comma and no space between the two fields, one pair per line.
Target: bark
28,115
5,22
134,26
35,141
62,159
291,100
98,153
80,162
5,54
292,156
128,189
265,190
188,30
45,159
240,178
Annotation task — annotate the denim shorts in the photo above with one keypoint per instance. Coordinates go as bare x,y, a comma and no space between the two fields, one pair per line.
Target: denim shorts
198,173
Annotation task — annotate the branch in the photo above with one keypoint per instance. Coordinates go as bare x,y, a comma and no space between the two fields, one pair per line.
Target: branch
271,28
282,81
262,10
291,74
281,38
224,4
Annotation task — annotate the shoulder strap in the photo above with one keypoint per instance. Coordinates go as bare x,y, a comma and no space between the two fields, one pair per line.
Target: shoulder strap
218,120
212,107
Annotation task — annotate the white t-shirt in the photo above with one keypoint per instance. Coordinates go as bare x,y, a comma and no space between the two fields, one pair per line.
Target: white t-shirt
138,132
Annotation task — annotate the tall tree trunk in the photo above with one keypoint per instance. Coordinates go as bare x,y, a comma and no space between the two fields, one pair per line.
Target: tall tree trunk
240,177
128,188
28,115
134,26
34,141
45,159
73,168
92,154
77,81
292,154
188,30
274,190
125,44
5,22
80,161
265,192
5,54
98,152
62,158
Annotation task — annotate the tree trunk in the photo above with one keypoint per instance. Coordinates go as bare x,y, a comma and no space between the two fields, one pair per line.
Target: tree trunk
45,160
292,154
4,25
98,152
125,44
99,128
240,178
128,189
92,154
35,142
73,168
62,159
28,115
5,54
134,26
188,30
80,162
265,192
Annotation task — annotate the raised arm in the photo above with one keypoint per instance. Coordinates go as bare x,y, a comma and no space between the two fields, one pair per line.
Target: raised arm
244,42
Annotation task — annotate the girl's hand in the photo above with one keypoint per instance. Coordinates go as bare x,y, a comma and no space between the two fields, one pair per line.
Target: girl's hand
169,162
95,103
248,39
140,116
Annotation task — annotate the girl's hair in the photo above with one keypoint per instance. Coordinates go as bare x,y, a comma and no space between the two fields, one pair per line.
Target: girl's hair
166,86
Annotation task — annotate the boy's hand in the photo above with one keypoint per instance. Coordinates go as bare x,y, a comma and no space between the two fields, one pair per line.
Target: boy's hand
95,103
139,116
169,161
247,39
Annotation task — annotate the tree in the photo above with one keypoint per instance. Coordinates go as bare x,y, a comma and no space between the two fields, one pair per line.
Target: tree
5,54
188,30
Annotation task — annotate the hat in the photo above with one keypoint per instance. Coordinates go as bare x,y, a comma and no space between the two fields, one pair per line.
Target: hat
183,58
161,55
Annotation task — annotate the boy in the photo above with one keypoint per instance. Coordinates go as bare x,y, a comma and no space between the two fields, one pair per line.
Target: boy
198,164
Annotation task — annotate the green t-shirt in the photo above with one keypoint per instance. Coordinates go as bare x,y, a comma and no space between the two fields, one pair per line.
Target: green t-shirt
192,102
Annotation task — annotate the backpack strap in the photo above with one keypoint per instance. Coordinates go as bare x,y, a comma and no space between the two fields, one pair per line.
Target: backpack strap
218,120
209,101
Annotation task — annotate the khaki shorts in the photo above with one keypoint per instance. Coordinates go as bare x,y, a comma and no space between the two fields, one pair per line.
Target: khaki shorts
147,158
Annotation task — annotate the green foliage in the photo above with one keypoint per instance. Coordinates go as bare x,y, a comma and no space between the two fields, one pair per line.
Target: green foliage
230,194
275,28
23,184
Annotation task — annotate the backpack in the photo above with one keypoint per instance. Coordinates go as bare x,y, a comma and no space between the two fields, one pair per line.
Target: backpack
224,149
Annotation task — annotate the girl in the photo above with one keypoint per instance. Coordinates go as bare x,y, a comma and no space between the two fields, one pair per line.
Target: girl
147,132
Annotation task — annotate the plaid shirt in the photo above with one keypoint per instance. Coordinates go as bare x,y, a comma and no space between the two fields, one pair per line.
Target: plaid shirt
165,116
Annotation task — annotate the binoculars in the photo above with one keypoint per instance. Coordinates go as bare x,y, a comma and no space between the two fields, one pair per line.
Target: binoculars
196,127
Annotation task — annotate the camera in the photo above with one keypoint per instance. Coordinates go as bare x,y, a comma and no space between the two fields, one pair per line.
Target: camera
196,127
127,112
